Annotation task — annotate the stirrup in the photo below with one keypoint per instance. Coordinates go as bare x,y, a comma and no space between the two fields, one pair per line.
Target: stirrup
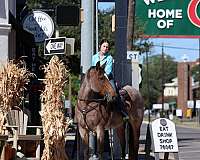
124,115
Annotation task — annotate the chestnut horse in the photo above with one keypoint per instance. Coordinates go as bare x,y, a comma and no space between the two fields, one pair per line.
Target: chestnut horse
95,111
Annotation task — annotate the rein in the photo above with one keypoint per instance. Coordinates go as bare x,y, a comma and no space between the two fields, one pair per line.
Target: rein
85,111
93,100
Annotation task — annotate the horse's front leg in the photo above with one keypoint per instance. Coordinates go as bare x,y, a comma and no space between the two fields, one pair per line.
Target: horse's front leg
84,136
100,141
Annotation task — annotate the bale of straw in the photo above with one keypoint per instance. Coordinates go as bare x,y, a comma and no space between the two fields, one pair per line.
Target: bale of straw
53,120
13,78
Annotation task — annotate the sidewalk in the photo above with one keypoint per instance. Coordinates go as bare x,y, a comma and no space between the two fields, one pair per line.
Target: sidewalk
190,123
184,122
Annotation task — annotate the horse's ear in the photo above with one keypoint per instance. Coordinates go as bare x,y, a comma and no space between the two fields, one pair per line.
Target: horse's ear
104,65
98,65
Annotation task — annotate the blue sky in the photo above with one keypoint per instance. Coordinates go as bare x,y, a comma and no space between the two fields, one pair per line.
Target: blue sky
178,48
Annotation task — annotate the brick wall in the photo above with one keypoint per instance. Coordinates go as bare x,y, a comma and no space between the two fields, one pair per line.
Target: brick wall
184,85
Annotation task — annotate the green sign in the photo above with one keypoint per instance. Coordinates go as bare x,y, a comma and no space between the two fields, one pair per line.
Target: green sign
169,18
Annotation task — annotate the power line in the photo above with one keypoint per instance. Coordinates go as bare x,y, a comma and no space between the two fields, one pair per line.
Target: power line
172,47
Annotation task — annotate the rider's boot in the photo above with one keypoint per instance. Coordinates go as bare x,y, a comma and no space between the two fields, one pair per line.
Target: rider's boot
124,113
122,108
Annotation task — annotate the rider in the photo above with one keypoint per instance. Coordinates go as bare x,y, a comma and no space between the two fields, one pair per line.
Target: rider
105,57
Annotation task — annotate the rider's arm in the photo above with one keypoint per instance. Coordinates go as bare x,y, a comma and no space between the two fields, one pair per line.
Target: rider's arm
109,66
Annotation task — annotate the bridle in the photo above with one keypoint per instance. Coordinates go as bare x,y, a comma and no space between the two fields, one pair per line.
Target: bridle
84,112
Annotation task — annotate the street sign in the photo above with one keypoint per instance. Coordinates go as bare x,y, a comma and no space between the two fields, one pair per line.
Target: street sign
40,24
133,55
55,46
197,103
190,104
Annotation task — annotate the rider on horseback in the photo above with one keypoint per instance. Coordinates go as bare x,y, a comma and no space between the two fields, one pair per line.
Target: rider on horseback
105,57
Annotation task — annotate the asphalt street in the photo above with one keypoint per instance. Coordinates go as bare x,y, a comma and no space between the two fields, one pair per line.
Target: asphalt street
188,142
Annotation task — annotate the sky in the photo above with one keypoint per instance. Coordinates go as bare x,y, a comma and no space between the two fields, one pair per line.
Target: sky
177,48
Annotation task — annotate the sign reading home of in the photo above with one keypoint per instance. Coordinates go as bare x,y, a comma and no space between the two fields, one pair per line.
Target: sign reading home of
169,18
164,135
39,24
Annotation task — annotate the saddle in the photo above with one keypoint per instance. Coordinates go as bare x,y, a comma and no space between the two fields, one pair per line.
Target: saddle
123,96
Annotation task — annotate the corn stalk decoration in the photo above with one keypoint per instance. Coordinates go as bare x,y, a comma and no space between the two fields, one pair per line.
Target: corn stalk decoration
53,120
13,78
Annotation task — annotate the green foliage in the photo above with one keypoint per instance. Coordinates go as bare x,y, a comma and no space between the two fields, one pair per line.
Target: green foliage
105,25
75,85
155,76
195,73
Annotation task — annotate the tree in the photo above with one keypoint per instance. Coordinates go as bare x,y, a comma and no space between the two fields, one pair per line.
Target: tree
155,76
195,73
130,25
104,26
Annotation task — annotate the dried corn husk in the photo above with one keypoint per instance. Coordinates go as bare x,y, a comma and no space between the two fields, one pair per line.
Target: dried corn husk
13,78
53,120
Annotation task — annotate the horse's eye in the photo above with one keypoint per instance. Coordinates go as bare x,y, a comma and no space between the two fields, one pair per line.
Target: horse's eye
101,77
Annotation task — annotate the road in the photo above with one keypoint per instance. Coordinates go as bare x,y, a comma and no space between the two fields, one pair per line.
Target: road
188,142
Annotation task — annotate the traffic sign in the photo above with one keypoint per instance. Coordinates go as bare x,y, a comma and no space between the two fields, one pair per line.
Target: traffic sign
133,55
55,46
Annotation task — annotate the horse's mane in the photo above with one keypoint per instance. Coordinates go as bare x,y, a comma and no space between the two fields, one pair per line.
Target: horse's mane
86,77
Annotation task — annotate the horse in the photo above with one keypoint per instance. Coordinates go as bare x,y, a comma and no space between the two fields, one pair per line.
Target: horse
95,111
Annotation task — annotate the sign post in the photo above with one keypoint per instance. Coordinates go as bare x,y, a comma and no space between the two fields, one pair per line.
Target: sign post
136,77
55,46
164,137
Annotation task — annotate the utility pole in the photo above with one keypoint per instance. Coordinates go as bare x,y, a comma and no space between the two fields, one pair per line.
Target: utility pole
87,38
130,24
162,85
122,69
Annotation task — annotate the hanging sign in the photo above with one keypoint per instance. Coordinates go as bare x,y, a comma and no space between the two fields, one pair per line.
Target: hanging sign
169,18
40,25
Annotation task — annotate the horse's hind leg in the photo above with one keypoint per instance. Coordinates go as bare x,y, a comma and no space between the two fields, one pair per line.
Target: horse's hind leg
84,137
134,140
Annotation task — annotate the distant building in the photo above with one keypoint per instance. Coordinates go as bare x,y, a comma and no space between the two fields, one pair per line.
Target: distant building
171,89
185,84
182,88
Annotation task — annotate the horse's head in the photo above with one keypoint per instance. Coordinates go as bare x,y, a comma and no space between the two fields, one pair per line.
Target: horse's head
99,83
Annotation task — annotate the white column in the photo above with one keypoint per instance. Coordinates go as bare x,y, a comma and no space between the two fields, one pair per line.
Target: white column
135,75
5,29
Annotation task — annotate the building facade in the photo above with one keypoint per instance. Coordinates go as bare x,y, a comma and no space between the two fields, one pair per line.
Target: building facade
7,34
185,84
